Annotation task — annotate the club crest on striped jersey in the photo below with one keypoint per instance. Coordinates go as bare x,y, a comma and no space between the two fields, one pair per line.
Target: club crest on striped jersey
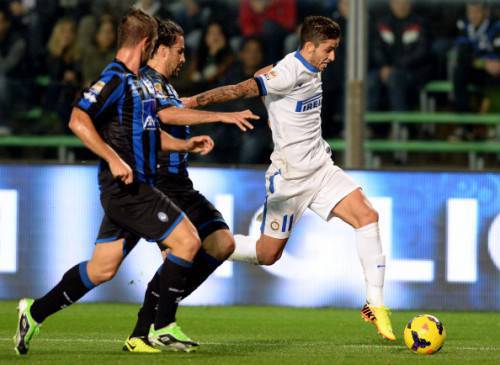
149,122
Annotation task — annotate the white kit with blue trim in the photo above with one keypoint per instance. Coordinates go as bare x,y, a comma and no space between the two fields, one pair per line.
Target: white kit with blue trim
293,98
302,174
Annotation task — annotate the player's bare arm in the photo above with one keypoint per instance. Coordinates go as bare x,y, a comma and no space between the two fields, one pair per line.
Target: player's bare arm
243,90
186,116
81,125
197,144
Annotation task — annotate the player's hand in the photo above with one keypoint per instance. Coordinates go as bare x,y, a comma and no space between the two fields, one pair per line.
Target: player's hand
121,170
189,102
240,119
200,144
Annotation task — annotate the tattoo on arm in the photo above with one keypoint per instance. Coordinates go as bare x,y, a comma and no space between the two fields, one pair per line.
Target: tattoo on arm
245,89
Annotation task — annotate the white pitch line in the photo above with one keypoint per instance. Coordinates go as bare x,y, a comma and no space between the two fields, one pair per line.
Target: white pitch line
320,343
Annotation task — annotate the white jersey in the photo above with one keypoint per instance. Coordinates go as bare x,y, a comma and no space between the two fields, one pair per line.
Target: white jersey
293,96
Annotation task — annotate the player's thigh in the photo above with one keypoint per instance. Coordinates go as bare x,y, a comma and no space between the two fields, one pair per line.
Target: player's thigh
334,188
201,212
108,251
105,261
183,240
356,210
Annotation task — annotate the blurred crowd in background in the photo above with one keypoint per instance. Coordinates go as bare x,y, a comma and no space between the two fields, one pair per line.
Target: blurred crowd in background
50,49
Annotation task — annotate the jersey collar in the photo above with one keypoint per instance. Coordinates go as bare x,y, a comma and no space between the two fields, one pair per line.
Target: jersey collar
122,65
305,63
151,69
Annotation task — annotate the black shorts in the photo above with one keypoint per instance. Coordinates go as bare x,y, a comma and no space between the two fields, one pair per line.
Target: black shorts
137,209
204,216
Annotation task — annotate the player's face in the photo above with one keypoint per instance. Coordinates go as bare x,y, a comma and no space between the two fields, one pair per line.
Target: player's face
324,53
176,58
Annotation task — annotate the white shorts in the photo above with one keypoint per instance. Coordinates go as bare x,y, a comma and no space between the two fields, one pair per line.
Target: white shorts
286,200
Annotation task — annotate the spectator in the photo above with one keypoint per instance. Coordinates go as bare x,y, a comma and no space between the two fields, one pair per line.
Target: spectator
492,67
399,58
475,47
271,20
30,18
62,67
213,57
12,51
188,13
254,146
100,53
150,7
332,109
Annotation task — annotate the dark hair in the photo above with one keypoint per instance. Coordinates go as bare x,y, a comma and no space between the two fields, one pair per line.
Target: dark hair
135,26
317,29
202,51
250,39
168,31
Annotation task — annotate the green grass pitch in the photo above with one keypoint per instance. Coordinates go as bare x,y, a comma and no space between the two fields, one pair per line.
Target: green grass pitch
94,333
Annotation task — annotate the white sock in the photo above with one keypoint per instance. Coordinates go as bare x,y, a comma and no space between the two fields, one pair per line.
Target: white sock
369,249
245,249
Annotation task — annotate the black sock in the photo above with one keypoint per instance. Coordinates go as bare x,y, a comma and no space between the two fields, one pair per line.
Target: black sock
147,313
172,286
203,266
74,284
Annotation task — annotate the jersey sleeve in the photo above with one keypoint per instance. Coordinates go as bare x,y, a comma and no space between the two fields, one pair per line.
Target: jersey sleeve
101,95
164,99
279,81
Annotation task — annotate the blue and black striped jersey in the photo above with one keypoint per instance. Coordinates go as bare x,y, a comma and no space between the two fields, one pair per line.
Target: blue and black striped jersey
166,96
123,111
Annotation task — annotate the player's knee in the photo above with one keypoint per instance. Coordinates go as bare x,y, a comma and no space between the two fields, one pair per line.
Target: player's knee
103,275
226,247
100,271
191,244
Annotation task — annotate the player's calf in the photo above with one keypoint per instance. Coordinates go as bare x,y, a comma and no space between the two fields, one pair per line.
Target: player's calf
269,249
220,244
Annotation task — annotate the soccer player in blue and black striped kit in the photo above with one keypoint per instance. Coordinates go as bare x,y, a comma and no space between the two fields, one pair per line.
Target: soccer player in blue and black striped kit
116,118
174,181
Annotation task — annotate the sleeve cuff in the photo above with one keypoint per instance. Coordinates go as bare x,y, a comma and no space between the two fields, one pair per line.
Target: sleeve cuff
261,86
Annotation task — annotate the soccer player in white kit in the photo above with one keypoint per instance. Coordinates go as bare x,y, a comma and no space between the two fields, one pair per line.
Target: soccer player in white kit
302,174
